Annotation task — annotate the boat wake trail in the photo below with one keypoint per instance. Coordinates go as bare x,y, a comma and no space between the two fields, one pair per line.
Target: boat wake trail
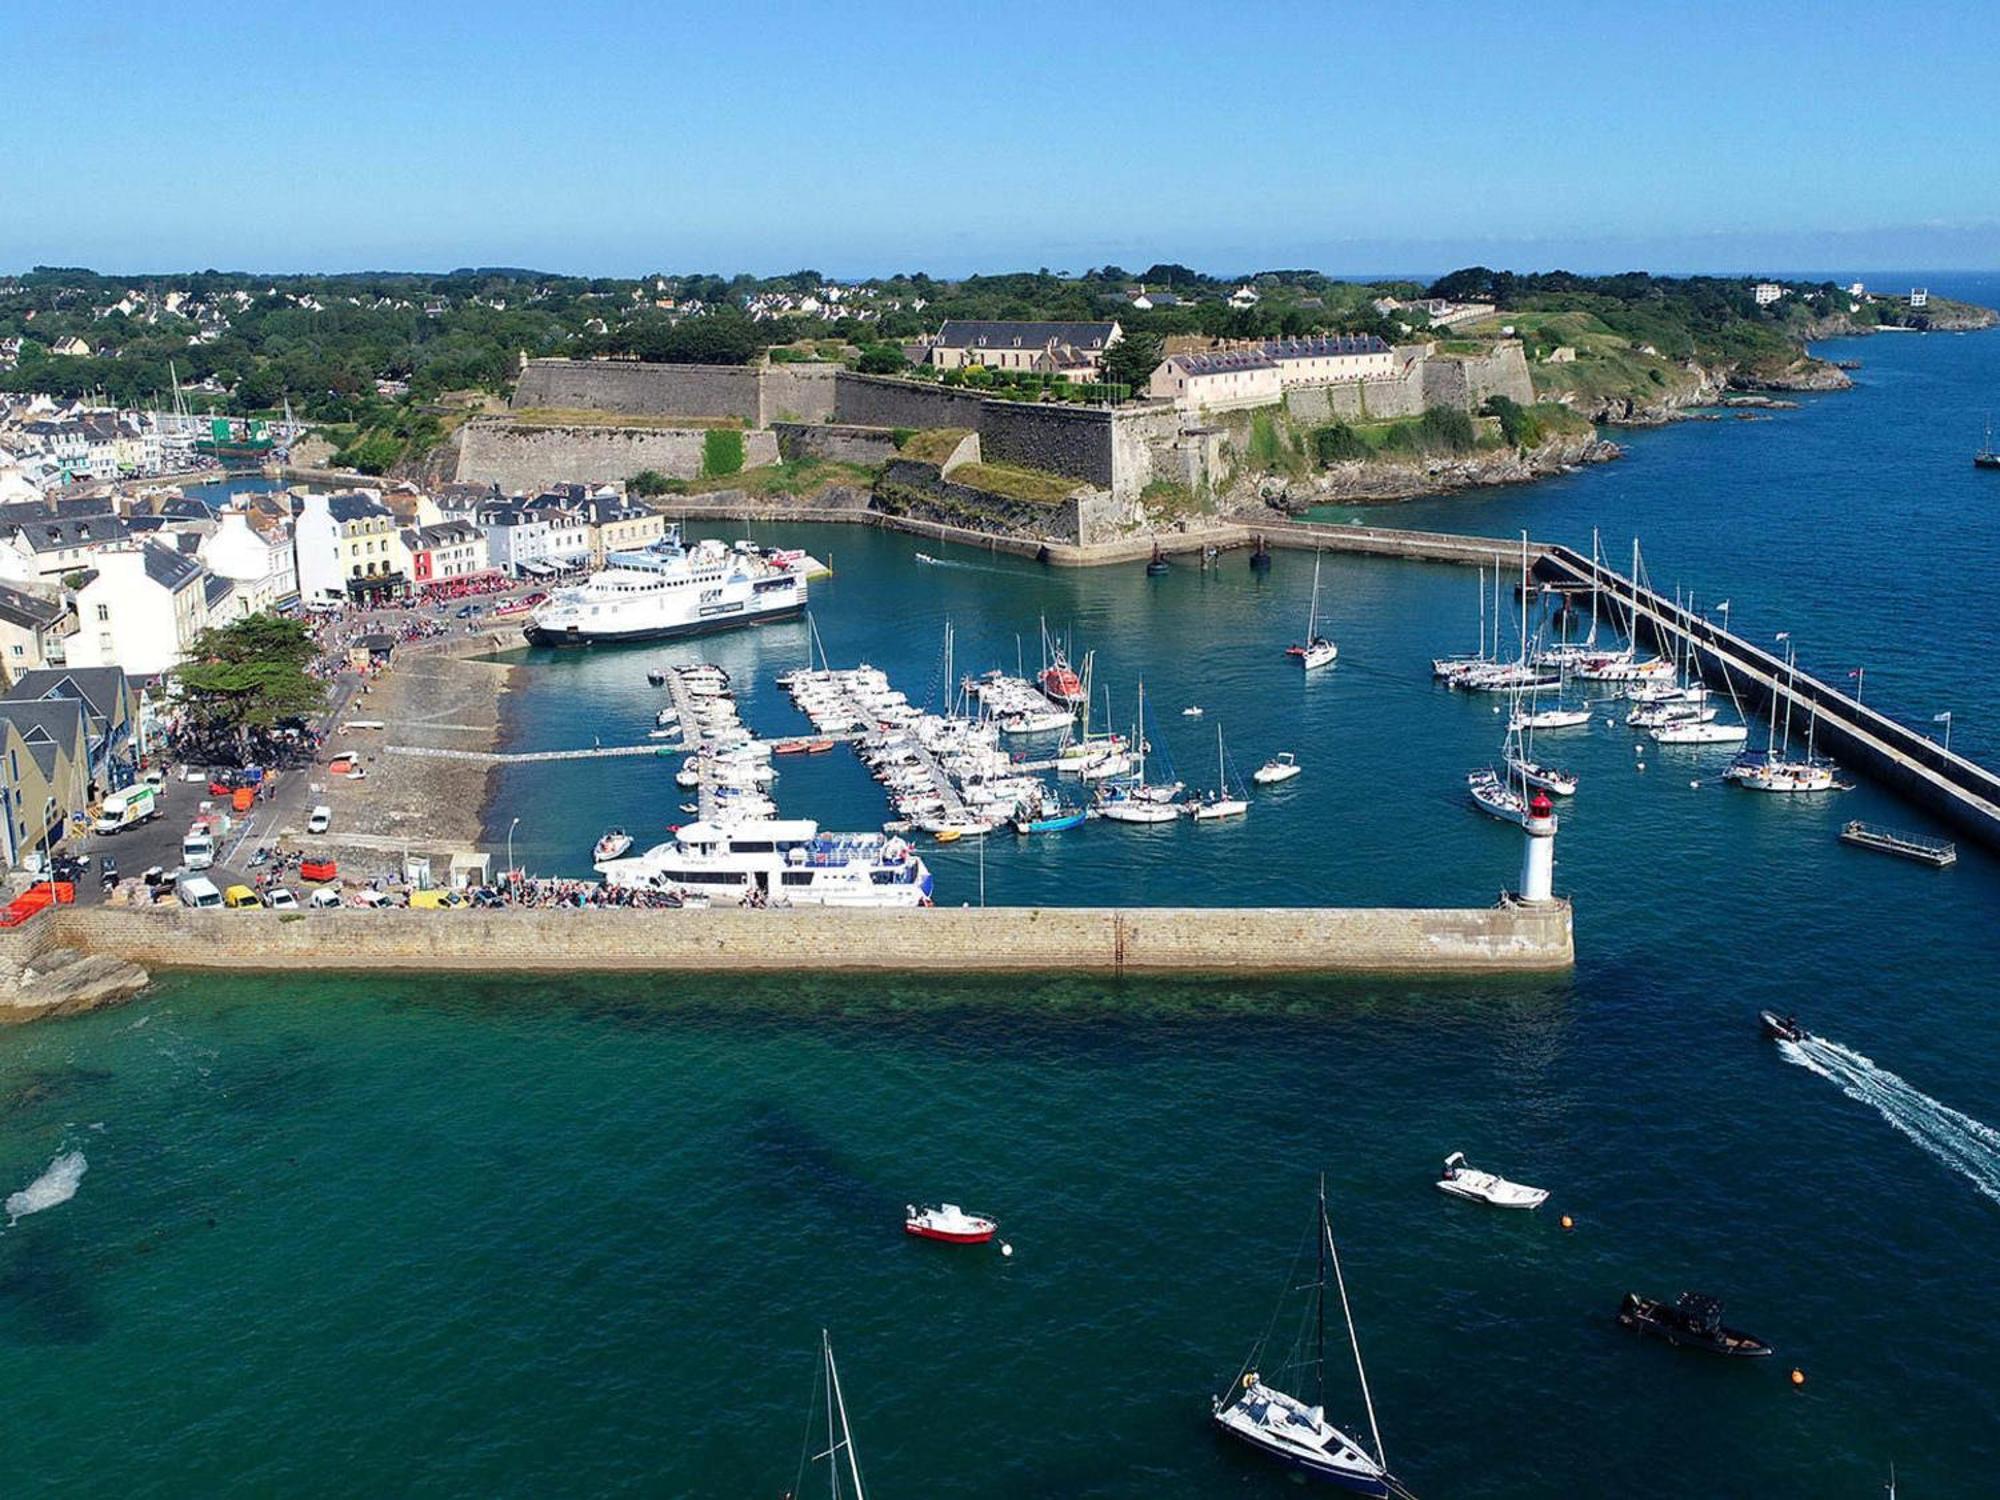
57,1185
1959,1141
924,559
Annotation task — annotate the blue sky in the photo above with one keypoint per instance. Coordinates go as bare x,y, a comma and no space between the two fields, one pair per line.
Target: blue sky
952,137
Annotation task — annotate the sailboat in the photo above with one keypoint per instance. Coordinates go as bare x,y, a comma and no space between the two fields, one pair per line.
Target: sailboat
1227,800
1132,799
1775,769
1284,1427
843,1468
1318,651
1987,457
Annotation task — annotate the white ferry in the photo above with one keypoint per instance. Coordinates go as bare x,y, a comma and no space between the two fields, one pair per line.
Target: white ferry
779,860
670,589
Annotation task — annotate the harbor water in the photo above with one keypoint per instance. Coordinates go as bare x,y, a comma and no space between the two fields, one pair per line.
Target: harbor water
508,1236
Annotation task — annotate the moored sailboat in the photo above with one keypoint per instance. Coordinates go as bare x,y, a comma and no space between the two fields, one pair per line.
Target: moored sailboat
1227,800
1317,651
1282,1426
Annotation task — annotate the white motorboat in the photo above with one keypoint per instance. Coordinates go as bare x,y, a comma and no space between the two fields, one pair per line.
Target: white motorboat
1463,1181
1281,767
1193,711
1694,733
1550,718
613,844
1494,797
1548,778
1288,1429
1653,715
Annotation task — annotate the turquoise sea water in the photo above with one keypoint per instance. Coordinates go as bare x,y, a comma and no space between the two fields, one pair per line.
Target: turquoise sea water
511,1236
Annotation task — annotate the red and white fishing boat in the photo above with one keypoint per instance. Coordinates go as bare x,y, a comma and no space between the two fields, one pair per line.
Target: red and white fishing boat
947,1222
1061,685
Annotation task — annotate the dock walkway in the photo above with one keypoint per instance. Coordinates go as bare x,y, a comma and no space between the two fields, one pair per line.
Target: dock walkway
1861,738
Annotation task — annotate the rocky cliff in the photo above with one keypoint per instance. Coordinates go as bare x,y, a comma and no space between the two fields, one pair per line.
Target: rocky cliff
1383,479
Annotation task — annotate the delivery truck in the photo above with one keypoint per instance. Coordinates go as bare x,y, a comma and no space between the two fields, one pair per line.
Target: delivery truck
122,809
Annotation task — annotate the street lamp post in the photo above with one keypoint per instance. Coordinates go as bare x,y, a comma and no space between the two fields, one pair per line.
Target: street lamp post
510,850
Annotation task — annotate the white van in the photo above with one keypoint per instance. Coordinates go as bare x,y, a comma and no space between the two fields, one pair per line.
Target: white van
199,891
198,848
320,820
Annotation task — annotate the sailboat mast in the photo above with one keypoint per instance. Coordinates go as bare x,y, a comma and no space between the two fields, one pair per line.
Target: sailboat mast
1328,1248
1320,1359
836,1406
1524,598
1482,614
1312,610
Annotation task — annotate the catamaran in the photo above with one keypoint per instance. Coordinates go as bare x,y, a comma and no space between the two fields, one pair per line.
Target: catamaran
1281,1426
1317,651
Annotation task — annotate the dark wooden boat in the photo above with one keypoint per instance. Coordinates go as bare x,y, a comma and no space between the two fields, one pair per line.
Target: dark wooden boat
1694,1322
1781,1028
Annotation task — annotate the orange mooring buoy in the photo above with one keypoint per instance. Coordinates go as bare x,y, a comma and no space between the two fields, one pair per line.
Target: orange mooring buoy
1798,1377
1568,1222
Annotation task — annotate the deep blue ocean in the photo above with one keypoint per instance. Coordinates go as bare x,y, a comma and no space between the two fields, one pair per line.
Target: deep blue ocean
508,1236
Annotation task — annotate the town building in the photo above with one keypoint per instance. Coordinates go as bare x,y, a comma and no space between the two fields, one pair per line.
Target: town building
36,546
1258,374
260,569
517,538
34,624
447,551
139,608
1919,297
1018,346
44,774
111,709
348,549
1767,292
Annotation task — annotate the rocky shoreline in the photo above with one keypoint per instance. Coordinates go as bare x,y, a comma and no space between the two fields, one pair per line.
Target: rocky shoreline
1375,481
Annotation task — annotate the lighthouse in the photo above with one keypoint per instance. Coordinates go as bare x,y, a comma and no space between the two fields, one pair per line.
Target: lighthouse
1538,852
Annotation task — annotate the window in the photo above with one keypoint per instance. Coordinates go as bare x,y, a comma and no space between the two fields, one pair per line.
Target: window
103,613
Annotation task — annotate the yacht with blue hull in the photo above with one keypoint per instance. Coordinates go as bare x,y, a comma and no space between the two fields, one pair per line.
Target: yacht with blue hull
670,589
778,861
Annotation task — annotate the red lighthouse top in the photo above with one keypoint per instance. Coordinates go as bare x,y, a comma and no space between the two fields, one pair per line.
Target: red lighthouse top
1541,807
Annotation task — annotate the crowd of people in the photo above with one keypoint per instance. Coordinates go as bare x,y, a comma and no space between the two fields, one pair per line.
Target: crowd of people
578,894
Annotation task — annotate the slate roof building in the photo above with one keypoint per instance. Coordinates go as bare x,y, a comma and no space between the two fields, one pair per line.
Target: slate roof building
109,702
140,609
1018,346
33,627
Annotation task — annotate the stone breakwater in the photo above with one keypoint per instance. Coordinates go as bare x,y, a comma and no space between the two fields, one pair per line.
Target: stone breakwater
1498,939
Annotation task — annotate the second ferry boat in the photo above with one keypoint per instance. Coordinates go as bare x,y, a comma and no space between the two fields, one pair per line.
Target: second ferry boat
671,589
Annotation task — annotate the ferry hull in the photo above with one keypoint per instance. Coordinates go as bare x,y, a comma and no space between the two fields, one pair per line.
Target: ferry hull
540,635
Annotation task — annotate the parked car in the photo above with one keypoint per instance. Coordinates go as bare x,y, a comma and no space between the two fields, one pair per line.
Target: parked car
280,899
368,897
238,897
199,891
326,896
320,819
437,901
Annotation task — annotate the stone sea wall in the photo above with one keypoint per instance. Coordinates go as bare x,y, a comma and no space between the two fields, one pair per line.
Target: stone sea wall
942,939
524,458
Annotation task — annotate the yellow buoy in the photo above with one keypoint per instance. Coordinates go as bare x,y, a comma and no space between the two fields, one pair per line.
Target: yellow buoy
1568,1222
1798,1377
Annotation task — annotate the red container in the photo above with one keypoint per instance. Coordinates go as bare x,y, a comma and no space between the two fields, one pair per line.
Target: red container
318,871
65,893
35,897
243,798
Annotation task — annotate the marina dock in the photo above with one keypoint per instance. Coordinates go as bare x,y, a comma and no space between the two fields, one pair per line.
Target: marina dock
1916,767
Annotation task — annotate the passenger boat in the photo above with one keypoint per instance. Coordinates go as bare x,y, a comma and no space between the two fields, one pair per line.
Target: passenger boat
780,860
1463,1181
1284,1427
949,1223
1781,1028
1281,767
1694,1322
613,844
669,590
1317,651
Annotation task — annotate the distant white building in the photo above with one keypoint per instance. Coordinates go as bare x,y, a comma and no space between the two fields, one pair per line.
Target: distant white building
1919,297
1767,292
1245,295
1856,290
